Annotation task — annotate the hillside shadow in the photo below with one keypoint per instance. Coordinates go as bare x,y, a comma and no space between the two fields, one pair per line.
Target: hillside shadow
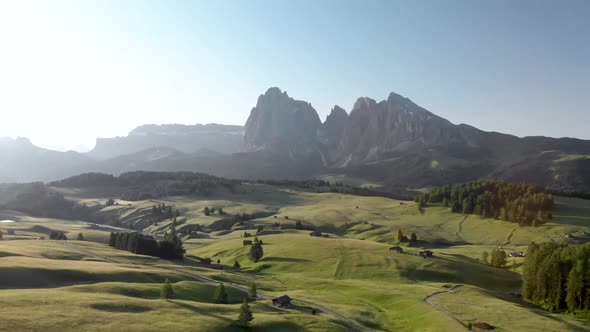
120,307
201,311
284,259
444,267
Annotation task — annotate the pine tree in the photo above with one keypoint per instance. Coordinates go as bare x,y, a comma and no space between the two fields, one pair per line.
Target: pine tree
413,238
400,235
253,294
80,237
246,315
220,294
166,292
256,252
221,211
237,265
575,287
206,211
484,256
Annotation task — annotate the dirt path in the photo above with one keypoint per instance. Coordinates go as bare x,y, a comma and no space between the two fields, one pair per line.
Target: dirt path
429,298
544,235
461,228
509,238
244,290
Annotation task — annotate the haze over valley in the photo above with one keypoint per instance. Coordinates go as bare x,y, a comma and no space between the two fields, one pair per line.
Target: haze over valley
427,170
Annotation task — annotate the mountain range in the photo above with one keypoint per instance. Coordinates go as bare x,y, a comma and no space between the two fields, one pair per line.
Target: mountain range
393,141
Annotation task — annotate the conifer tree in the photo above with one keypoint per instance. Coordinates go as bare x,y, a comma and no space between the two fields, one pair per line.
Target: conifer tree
253,294
246,315
256,252
484,256
166,292
220,294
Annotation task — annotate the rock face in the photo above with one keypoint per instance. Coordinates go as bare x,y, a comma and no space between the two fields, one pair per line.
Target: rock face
333,128
394,142
184,138
282,125
375,130
399,143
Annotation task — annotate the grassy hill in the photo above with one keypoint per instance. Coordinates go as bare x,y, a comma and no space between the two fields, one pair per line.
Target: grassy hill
352,273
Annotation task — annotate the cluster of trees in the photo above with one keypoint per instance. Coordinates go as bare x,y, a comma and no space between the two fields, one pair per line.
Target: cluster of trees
305,184
162,212
169,248
497,259
55,235
521,203
141,185
38,200
413,240
558,276
338,187
209,211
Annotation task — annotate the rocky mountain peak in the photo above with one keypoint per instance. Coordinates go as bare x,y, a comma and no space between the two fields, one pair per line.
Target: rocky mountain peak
332,129
281,123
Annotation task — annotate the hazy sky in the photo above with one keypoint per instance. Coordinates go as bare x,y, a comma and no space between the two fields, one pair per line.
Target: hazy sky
76,70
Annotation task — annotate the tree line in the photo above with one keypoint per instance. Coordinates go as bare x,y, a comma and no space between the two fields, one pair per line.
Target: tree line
557,277
521,203
137,243
36,199
142,185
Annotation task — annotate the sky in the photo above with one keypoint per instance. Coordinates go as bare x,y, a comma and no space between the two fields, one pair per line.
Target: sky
72,71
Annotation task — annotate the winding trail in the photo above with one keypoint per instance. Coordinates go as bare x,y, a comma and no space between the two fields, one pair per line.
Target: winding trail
509,238
429,298
461,228
244,290
545,235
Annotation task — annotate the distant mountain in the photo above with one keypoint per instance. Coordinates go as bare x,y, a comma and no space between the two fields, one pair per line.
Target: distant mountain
184,138
280,124
399,143
394,142
24,162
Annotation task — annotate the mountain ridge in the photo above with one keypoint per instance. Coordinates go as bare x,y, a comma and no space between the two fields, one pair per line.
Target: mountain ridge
393,141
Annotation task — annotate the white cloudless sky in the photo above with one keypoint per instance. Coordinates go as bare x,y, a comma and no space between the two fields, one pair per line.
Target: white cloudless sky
71,71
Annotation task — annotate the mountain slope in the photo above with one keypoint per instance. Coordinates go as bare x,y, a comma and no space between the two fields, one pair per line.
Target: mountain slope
184,138
24,162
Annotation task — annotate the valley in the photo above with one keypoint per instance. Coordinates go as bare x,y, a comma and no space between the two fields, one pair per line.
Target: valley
351,273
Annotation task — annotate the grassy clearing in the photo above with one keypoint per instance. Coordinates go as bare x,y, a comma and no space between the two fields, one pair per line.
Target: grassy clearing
505,312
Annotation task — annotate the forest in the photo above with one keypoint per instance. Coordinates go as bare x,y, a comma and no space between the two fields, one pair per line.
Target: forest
521,203
38,200
141,185
557,277
169,248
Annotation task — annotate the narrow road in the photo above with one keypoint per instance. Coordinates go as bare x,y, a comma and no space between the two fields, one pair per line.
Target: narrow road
545,235
244,290
429,298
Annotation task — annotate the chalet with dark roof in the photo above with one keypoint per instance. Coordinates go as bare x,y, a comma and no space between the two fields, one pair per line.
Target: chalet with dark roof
397,249
282,302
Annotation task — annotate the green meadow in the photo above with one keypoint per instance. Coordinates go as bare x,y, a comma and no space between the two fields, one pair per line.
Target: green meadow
87,285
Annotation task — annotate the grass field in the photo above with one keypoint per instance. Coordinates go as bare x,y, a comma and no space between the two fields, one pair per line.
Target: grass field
91,286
